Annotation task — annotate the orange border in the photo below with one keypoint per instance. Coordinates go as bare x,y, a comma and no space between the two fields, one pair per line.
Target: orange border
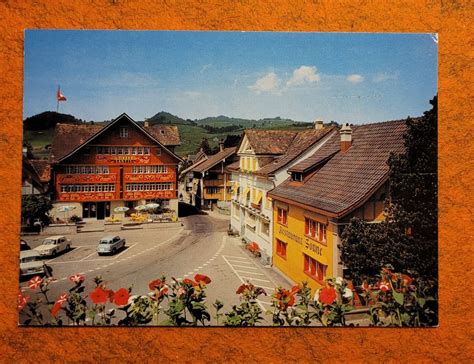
448,342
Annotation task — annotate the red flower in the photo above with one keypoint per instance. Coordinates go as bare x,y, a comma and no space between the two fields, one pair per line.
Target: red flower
56,308
110,295
154,284
121,297
384,286
245,286
35,282
365,286
327,295
406,279
202,278
163,291
189,282
99,296
22,301
77,278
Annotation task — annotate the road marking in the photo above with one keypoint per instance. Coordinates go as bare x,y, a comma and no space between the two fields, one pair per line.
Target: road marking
87,256
264,303
233,256
256,279
270,288
190,273
258,274
125,250
241,262
244,266
205,264
238,276
52,260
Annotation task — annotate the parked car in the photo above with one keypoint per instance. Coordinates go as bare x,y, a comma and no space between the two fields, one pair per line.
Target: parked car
54,245
110,244
31,263
24,245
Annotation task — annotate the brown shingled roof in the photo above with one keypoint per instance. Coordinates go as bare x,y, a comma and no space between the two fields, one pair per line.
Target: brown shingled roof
168,135
42,168
302,141
68,137
348,179
214,159
270,141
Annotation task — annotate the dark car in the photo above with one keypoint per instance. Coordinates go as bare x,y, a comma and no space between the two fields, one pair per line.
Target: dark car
24,245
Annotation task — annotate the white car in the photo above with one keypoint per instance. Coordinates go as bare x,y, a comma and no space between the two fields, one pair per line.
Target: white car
31,263
53,245
110,244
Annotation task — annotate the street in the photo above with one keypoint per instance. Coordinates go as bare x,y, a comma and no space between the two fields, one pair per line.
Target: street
198,245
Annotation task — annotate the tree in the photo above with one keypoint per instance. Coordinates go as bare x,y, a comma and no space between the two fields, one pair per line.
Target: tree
408,238
204,146
35,207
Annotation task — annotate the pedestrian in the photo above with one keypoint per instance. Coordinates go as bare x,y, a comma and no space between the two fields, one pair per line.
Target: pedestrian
48,270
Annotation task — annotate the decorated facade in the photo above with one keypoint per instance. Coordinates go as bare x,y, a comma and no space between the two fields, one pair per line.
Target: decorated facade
98,168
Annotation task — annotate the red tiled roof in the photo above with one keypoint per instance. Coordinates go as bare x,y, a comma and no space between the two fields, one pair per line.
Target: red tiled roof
347,179
235,166
270,141
302,141
68,137
214,159
42,168
168,135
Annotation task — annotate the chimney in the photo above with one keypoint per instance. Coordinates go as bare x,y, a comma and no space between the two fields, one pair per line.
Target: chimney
346,137
318,124
221,145
146,124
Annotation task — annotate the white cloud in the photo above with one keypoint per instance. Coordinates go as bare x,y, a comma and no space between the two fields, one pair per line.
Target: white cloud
205,67
268,83
302,75
355,78
382,76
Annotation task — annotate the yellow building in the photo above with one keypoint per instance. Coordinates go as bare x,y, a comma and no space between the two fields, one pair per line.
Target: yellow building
347,177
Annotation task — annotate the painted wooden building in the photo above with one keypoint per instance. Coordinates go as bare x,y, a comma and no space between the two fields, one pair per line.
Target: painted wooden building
98,168
346,177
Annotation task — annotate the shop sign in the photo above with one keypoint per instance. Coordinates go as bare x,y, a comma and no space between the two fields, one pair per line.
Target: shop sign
86,178
290,235
147,195
123,159
149,177
86,196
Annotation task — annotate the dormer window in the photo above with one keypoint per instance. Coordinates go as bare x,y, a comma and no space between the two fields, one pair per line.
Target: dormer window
123,132
297,177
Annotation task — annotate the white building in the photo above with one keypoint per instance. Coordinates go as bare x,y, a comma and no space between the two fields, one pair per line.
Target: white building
265,157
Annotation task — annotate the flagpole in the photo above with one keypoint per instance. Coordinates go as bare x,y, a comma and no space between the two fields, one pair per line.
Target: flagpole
57,100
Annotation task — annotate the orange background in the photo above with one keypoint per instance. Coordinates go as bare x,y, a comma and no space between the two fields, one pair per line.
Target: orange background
449,342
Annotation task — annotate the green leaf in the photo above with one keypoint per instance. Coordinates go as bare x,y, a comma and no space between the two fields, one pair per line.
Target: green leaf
421,302
399,297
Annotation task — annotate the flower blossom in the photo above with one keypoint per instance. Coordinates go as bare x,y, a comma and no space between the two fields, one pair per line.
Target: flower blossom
99,296
327,295
121,297
35,282
77,278
22,301
202,278
155,284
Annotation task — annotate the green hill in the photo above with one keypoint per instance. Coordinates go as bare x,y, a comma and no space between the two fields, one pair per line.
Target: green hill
47,120
164,117
39,128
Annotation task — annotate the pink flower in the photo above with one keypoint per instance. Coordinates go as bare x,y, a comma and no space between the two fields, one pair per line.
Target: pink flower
22,301
35,282
62,298
77,278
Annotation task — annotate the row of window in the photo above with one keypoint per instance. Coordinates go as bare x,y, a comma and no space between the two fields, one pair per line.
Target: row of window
313,229
149,169
97,187
151,186
125,150
311,266
248,164
87,170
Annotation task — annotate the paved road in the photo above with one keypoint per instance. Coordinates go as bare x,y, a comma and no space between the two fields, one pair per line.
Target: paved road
199,245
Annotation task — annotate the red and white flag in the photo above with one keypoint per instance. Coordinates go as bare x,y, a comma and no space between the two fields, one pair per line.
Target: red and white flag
60,96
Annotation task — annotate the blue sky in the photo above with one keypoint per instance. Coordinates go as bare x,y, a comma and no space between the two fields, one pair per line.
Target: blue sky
346,77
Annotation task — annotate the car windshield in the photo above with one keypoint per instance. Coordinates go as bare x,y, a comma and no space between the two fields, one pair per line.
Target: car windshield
29,259
49,242
105,242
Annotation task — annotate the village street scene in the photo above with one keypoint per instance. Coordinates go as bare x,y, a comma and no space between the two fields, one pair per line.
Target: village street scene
325,215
